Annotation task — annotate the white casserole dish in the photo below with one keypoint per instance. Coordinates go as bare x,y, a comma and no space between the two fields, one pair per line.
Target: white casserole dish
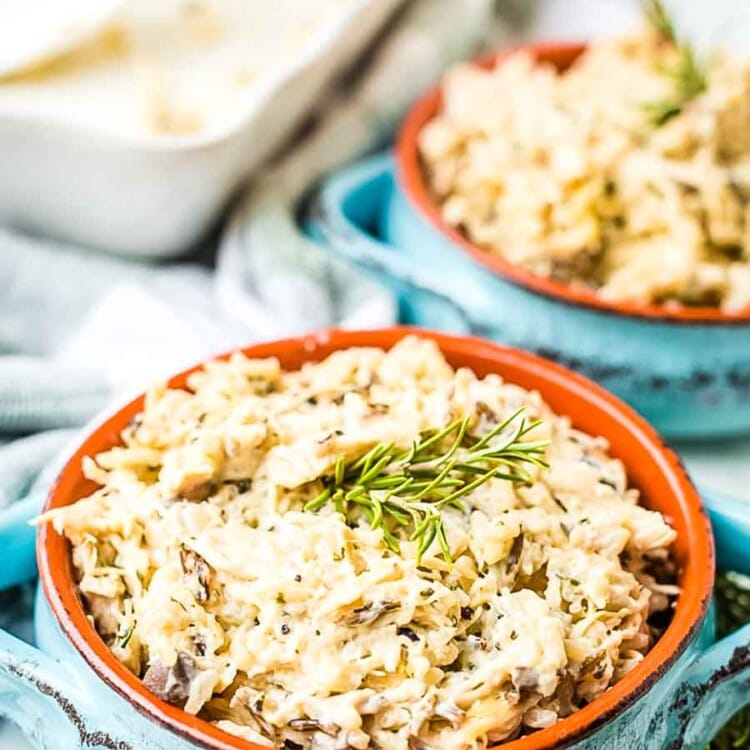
147,196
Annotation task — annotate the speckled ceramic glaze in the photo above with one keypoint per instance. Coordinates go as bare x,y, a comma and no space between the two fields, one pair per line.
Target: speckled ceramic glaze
71,693
690,378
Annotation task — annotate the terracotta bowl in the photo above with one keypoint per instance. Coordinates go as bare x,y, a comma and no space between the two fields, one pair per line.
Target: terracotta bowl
77,674
412,178
687,369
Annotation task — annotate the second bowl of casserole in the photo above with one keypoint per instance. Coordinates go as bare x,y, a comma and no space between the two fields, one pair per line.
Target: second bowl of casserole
686,368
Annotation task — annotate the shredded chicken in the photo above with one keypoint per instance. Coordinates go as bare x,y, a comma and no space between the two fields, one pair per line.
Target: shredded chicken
289,626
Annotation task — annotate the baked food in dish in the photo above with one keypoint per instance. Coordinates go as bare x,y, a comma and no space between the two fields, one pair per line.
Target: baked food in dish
217,568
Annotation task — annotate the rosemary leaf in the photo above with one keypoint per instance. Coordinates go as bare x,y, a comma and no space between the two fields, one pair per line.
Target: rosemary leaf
658,19
688,76
408,489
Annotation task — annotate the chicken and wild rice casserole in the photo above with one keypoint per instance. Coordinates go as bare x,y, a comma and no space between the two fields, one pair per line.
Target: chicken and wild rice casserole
374,551
628,173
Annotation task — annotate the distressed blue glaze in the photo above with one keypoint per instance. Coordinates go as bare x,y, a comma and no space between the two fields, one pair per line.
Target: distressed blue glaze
61,704
17,542
690,380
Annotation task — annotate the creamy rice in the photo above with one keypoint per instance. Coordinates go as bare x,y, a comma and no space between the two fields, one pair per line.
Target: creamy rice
570,176
208,579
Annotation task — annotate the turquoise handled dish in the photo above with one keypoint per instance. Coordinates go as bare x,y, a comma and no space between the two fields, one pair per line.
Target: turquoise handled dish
60,703
71,693
690,379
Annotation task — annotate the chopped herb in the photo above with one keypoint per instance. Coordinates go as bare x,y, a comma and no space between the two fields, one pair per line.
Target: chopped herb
689,78
397,488
125,639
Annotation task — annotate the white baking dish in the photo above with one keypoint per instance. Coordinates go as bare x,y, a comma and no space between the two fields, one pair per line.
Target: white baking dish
148,196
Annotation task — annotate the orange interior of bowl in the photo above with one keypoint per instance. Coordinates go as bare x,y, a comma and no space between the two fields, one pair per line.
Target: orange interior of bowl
412,180
655,470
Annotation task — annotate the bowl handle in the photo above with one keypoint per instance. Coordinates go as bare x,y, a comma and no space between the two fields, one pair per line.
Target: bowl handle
39,694
329,222
717,683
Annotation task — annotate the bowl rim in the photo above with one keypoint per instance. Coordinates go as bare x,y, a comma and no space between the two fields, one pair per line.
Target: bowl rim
58,585
411,179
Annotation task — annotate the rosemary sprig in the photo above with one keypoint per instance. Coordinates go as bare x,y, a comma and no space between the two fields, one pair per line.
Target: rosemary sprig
689,78
407,489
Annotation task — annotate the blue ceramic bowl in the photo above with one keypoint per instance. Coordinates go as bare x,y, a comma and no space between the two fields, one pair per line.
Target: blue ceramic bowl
688,374
70,693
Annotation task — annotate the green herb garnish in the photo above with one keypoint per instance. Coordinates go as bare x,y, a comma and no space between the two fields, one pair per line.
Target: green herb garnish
397,488
659,20
733,611
689,78
125,639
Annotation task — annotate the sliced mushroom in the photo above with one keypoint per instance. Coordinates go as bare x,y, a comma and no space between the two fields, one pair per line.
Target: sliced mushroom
449,710
525,678
313,725
514,555
484,411
265,727
243,706
104,611
370,612
196,490
171,684
195,567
